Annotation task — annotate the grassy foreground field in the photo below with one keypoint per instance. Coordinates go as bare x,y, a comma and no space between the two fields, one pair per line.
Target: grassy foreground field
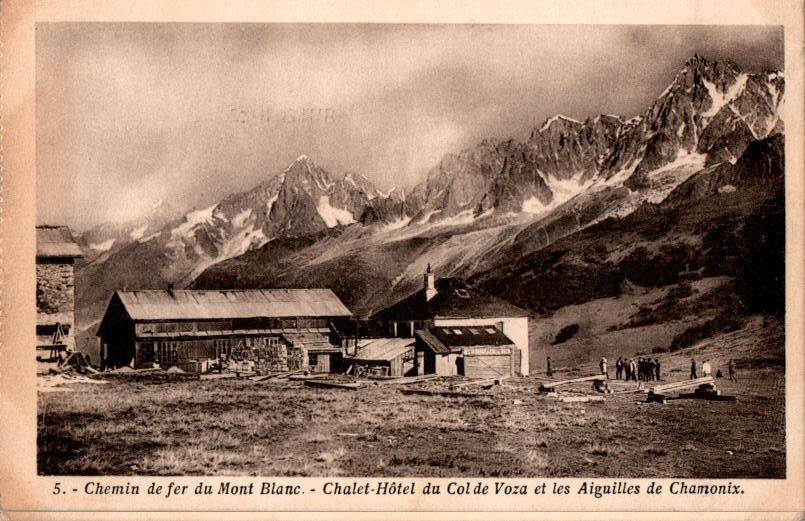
173,425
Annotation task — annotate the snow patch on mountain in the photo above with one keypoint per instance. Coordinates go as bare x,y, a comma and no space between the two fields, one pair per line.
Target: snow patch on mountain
550,121
333,216
533,205
425,218
270,204
665,179
463,217
102,246
138,232
722,98
563,190
193,219
241,218
396,225
148,238
566,189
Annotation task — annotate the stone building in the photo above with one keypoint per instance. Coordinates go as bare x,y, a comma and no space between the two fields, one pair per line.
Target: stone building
56,252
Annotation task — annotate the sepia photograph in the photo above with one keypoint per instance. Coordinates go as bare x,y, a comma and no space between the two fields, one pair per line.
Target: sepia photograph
427,250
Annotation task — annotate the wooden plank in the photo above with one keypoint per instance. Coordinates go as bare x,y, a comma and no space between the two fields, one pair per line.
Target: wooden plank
217,376
582,399
483,382
708,396
683,384
383,378
317,376
451,394
332,385
277,376
408,380
550,386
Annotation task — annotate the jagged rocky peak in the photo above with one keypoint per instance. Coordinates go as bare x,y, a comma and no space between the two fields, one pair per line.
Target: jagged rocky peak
563,147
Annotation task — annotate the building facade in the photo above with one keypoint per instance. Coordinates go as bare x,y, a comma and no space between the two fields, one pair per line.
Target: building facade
383,357
246,330
451,302
56,252
476,352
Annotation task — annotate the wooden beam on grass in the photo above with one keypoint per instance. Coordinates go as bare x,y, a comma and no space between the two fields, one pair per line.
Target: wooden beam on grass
550,386
323,384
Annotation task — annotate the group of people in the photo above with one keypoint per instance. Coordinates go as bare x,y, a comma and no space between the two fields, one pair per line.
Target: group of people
707,370
644,369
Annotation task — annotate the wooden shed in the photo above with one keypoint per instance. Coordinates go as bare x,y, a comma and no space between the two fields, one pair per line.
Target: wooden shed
384,356
478,352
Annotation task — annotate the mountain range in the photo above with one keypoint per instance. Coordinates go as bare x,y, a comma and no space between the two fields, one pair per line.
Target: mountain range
490,213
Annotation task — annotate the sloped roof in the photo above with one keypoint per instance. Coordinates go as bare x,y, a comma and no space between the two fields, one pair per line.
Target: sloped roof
384,348
454,299
315,342
436,345
229,304
442,340
56,241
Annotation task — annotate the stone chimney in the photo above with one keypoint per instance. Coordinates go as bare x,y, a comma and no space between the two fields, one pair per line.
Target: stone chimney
430,284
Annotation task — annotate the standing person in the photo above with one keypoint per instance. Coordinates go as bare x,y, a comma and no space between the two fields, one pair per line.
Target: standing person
633,368
732,371
603,364
706,369
692,368
657,368
549,371
618,369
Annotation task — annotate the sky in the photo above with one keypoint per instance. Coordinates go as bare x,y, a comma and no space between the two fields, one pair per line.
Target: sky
129,114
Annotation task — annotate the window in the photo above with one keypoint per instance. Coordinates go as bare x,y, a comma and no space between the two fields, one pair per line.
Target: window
166,353
222,348
473,331
146,328
446,331
147,351
491,330
312,359
167,327
185,326
214,325
458,332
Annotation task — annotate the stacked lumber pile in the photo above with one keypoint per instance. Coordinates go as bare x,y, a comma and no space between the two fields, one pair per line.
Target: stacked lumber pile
705,389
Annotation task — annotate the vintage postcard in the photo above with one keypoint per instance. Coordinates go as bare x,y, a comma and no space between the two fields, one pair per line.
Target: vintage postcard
421,260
